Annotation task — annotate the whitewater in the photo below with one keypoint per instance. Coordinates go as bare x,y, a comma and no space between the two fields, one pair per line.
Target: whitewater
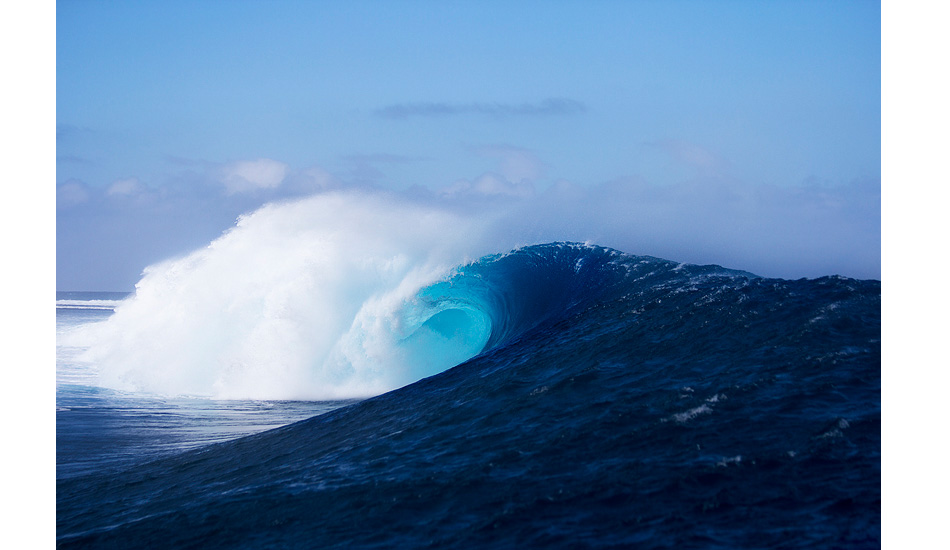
314,299
441,383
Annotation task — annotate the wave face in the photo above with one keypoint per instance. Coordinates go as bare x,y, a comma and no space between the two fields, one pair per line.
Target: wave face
606,400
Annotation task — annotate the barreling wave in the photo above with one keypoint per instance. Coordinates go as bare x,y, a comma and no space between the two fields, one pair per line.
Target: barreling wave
402,329
611,401
600,399
335,297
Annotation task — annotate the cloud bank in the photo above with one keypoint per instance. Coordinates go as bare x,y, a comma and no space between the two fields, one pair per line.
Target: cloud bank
808,230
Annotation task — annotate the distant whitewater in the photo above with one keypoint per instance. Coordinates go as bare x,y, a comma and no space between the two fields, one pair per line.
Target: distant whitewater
562,395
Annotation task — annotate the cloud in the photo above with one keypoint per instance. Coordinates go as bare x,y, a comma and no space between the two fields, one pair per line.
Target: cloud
71,193
130,191
692,155
364,167
307,181
319,178
516,164
546,107
816,228
514,175
251,175
487,185
67,131
126,188
73,159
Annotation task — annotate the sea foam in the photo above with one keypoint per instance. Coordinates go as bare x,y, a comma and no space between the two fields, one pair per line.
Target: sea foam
313,299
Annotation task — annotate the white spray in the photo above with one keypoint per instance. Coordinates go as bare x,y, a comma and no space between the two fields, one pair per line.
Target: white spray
300,300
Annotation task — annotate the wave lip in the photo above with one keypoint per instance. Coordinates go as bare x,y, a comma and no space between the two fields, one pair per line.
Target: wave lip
322,319
307,300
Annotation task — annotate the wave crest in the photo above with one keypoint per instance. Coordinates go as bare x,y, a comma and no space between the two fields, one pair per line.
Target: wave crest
300,300
338,296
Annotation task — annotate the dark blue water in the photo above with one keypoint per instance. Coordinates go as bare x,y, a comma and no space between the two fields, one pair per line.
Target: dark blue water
622,401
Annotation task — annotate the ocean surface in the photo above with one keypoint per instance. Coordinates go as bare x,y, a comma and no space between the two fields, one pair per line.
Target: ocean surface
553,396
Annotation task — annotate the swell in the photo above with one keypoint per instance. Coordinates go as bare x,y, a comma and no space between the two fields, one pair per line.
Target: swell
334,297
646,404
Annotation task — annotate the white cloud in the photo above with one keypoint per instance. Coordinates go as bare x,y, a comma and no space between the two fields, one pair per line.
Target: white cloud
695,156
319,179
71,193
489,185
126,187
251,175
515,163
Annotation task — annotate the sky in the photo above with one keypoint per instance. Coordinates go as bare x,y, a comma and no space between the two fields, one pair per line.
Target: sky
741,133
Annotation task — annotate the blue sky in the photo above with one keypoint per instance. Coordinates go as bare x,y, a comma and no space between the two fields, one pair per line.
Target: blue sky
741,133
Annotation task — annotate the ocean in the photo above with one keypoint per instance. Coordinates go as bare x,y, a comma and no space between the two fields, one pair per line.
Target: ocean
102,430
562,395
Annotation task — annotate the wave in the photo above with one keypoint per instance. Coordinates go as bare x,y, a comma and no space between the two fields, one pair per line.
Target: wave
333,297
597,397
336,296
612,401
341,296
88,304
